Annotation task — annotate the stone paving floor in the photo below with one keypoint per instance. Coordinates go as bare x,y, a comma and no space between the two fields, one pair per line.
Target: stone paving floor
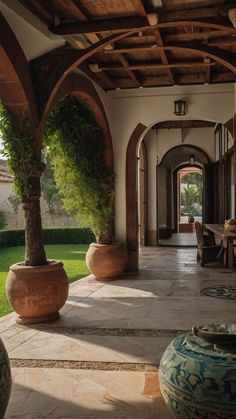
180,239
100,359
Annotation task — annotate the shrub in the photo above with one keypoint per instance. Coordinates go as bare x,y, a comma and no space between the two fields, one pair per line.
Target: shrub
50,235
3,219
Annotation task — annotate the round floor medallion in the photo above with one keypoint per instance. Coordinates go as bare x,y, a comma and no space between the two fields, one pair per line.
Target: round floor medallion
220,291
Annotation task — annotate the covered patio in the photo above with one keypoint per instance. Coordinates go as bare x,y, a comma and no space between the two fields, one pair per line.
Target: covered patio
100,360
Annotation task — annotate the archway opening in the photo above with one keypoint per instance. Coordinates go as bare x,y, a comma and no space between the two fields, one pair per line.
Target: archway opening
212,150
190,197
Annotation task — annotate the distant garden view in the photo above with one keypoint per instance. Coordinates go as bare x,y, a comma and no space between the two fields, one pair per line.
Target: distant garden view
191,194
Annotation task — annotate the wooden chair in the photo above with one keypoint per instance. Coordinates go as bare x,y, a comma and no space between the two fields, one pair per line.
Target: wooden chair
207,250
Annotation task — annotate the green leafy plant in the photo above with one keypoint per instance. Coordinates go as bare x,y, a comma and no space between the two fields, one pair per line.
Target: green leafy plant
18,149
76,146
3,220
49,190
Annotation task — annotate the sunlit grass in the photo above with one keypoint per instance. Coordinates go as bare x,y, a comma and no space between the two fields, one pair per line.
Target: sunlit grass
73,256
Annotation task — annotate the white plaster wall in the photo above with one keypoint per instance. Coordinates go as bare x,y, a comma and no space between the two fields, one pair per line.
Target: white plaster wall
167,138
151,147
200,137
149,106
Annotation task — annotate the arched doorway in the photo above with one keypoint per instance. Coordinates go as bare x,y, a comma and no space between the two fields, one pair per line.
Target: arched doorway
132,155
178,162
189,196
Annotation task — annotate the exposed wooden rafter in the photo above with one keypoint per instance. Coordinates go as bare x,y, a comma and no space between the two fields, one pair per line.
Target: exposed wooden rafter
100,26
95,68
117,25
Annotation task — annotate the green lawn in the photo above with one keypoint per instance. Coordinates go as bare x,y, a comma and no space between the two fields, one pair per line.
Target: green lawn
73,256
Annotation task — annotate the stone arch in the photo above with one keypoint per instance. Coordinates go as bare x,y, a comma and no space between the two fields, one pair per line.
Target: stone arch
16,89
83,89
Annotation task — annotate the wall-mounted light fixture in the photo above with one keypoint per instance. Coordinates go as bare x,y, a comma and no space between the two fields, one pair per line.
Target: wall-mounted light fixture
191,160
180,107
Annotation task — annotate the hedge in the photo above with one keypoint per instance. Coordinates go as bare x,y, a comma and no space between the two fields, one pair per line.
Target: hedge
50,236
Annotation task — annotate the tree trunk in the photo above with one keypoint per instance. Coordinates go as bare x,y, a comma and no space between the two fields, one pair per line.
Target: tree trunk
34,249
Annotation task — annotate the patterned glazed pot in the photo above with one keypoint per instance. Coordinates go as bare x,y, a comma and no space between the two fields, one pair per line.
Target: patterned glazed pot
5,380
197,381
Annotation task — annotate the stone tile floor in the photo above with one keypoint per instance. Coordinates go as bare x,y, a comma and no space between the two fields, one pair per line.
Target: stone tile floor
100,359
180,239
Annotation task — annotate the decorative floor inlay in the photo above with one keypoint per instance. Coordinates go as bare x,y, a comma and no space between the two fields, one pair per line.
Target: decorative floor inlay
82,365
221,291
99,331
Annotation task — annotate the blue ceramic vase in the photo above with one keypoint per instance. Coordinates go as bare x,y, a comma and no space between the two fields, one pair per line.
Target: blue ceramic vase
197,381
5,380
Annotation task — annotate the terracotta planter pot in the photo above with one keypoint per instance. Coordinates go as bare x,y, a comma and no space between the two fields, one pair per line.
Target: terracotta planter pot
37,292
5,379
106,261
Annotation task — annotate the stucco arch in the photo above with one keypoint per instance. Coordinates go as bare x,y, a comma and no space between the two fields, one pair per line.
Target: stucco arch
167,159
83,89
16,89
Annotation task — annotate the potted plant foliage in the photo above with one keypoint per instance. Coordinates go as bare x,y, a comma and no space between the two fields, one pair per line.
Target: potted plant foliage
76,146
36,288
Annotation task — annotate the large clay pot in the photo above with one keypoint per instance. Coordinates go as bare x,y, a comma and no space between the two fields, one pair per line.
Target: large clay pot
5,380
197,381
106,261
37,292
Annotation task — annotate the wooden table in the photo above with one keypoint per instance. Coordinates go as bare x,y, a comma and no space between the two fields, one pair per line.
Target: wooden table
221,234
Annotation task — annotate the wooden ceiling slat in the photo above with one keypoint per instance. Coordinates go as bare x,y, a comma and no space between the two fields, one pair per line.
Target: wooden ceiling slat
197,36
200,13
145,65
139,7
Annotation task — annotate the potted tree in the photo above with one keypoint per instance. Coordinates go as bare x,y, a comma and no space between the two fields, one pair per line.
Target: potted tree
76,146
36,288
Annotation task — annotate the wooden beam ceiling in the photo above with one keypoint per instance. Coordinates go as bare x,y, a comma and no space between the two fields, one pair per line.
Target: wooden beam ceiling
177,43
